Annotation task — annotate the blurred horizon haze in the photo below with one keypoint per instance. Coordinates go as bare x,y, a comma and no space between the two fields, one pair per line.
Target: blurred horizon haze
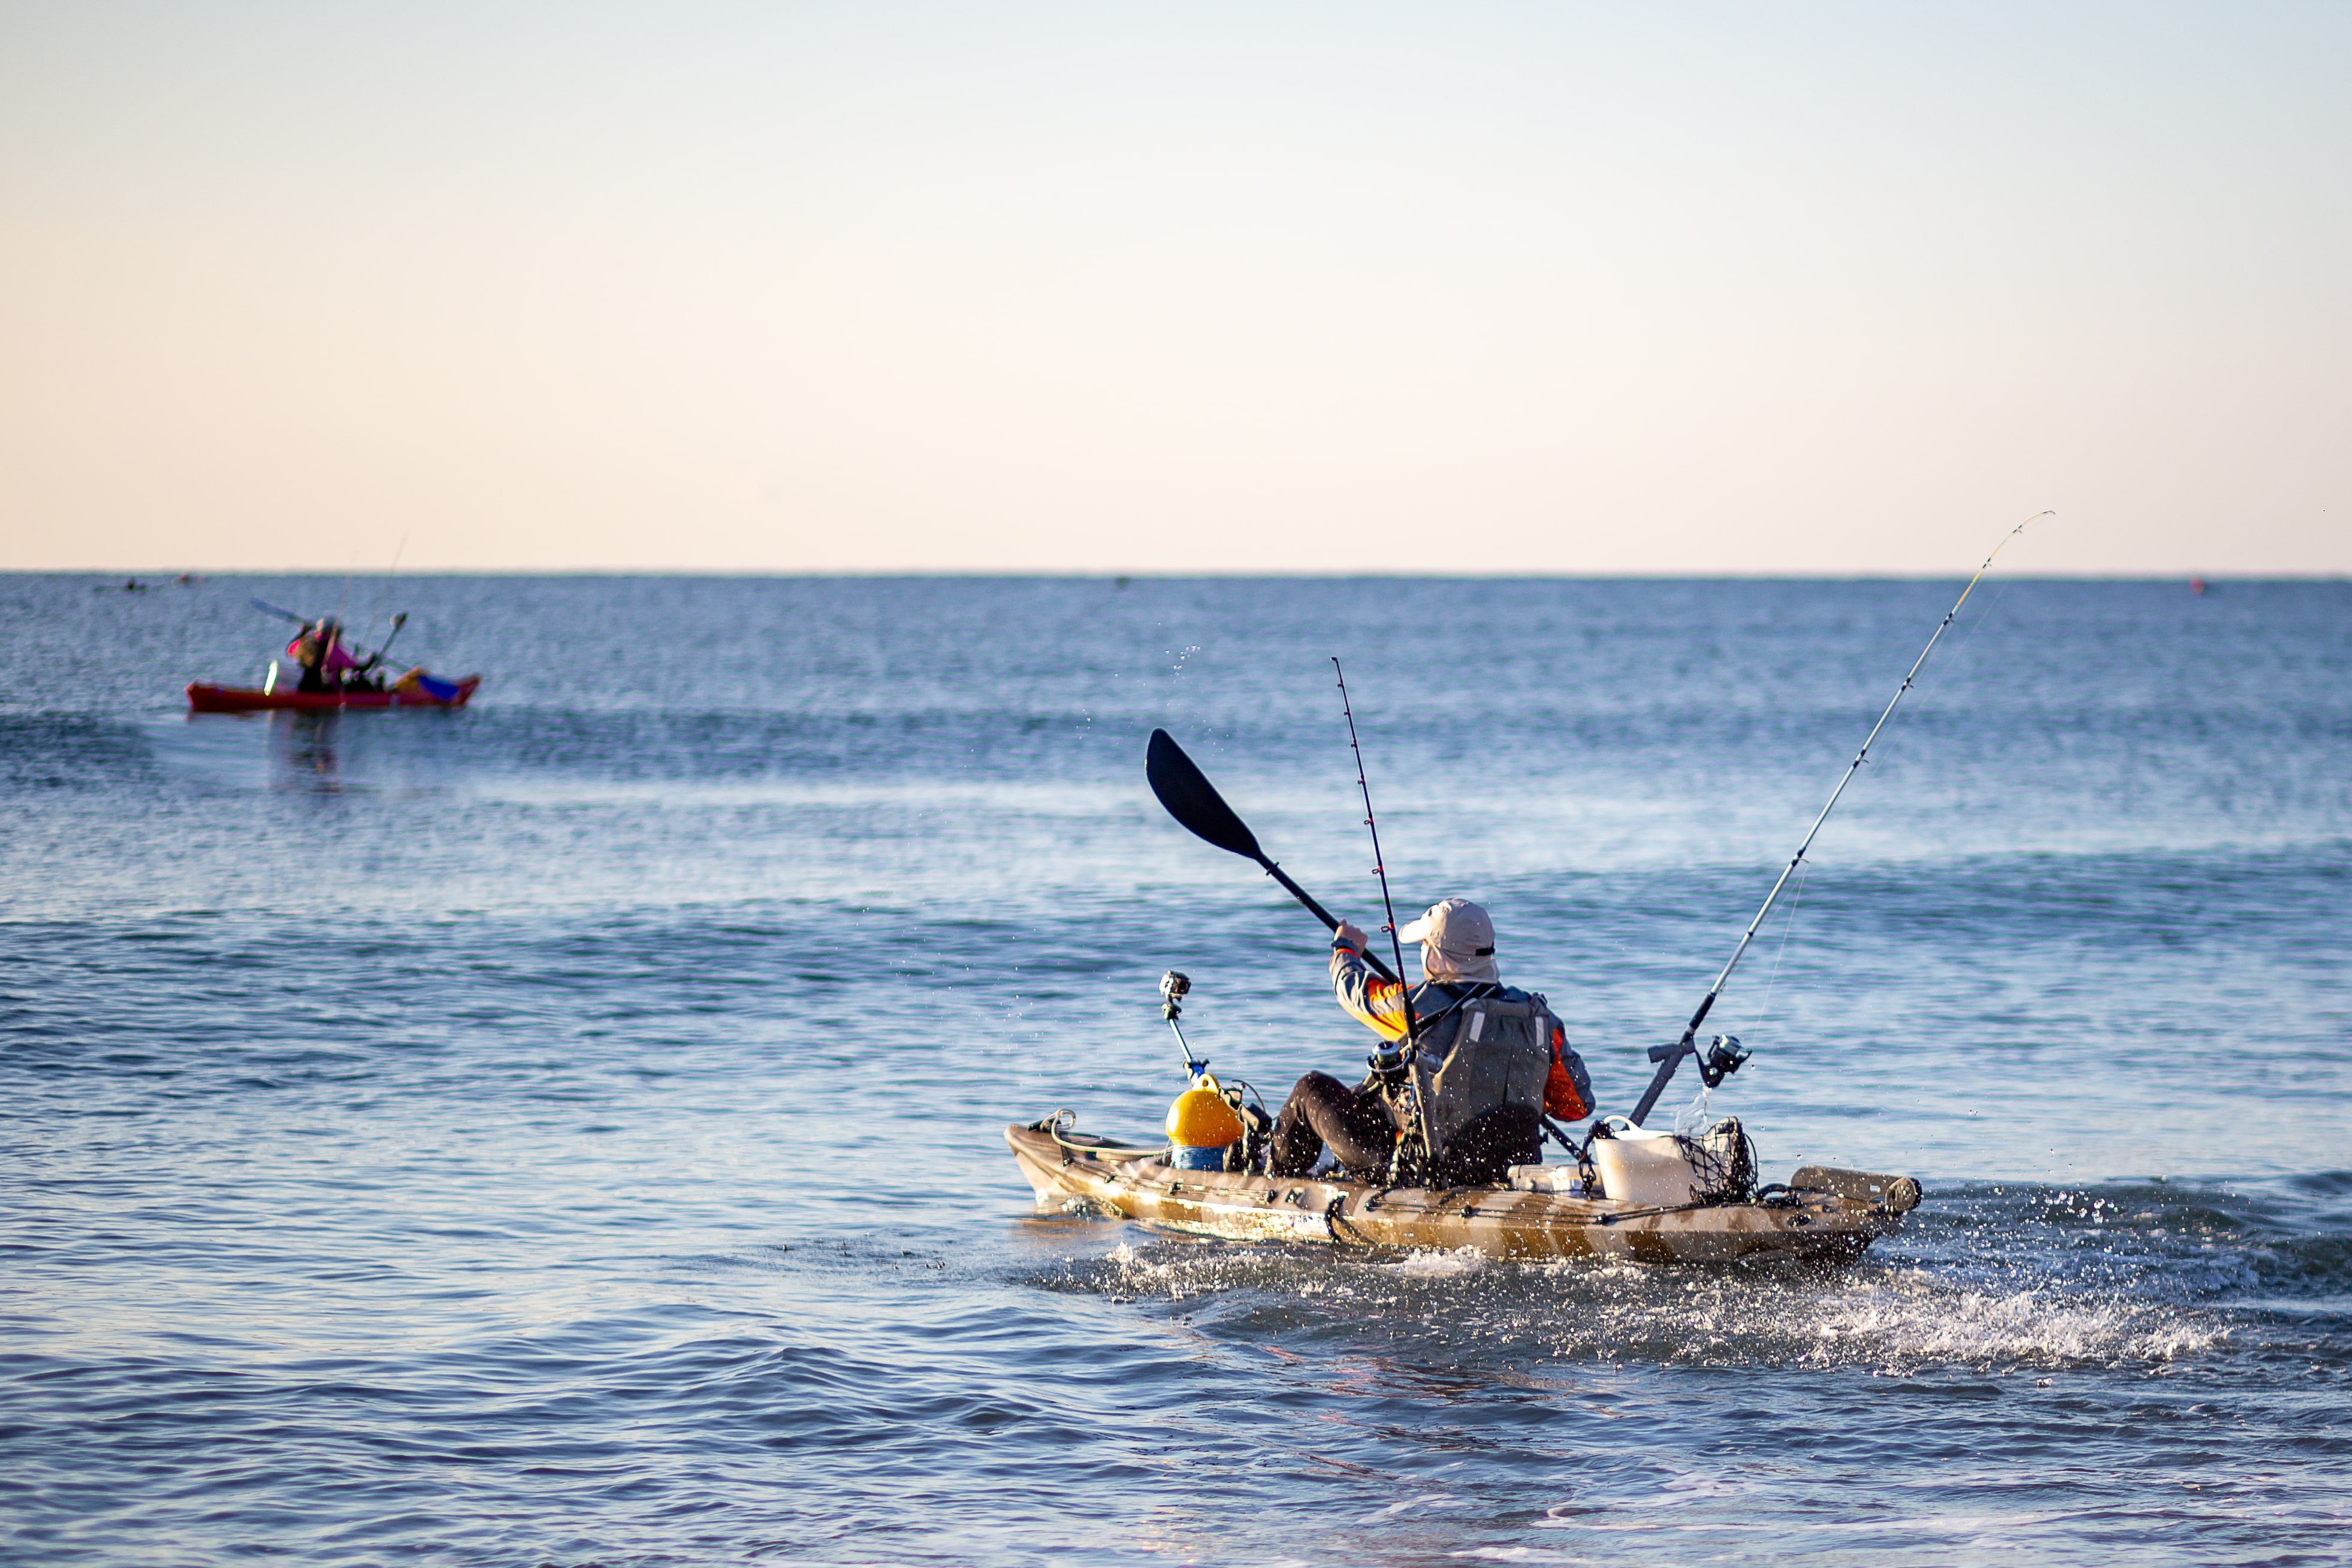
1828,290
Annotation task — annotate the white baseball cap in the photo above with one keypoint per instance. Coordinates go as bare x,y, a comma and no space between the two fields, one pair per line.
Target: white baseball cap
1453,925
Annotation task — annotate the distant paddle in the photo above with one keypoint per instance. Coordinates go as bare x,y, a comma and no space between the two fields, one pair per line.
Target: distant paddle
1195,804
397,623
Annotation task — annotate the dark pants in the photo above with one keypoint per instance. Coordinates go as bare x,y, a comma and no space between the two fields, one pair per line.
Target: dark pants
1321,1109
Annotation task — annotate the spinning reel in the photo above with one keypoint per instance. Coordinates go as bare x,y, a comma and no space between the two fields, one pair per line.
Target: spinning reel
1720,1061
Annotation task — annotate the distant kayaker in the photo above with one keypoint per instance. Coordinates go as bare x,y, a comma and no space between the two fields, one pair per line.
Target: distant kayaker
1485,1118
319,649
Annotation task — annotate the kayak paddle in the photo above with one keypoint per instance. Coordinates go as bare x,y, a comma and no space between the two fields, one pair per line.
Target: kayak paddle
263,604
1197,806
397,623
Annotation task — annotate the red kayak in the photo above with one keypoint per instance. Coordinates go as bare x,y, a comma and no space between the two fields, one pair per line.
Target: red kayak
202,699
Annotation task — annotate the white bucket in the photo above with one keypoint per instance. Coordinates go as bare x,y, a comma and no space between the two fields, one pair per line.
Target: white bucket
1647,1169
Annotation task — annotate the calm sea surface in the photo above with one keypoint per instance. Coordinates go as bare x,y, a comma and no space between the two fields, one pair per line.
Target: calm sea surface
569,1130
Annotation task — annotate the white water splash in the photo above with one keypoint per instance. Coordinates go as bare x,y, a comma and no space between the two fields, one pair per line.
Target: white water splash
1433,1264
1930,1323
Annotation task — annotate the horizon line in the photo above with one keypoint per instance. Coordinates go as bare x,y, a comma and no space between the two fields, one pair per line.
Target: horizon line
166,576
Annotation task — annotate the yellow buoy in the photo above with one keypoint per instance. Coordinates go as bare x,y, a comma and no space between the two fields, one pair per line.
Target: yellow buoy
1200,1119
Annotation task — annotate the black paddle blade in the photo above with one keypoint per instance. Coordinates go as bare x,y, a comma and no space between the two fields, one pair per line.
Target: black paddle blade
1192,800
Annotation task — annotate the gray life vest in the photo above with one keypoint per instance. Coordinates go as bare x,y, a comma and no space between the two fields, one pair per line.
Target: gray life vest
1498,1054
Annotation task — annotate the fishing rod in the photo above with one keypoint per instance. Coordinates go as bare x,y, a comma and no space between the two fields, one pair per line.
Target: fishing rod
1724,1057
1197,806
1379,863
1388,907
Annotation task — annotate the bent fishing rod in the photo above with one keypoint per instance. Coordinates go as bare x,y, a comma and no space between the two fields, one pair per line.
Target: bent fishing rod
1723,1059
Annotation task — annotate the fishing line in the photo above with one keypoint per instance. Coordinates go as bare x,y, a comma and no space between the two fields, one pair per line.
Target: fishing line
1787,926
1695,1112
1725,1057
1957,661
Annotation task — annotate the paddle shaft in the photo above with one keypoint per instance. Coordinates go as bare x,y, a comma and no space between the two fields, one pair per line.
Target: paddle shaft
1187,796
1330,921
397,623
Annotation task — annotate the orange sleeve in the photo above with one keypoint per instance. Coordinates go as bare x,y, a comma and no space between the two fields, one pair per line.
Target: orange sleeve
1375,1003
1560,1096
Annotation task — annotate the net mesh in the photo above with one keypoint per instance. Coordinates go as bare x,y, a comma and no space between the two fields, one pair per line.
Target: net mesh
1722,1162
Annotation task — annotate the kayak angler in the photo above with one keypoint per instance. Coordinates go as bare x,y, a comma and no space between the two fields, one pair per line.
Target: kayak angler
1484,1109
318,651
331,676
1458,1092
1631,1192
1470,1067
1642,1198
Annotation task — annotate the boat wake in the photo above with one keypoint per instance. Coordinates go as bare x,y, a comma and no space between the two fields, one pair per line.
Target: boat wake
1996,1298
1915,1320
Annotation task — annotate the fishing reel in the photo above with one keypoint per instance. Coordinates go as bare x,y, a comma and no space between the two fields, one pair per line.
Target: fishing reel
1722,1060
1718,1061
1393,1064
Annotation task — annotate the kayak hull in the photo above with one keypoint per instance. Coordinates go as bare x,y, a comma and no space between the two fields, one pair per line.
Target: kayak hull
204,699
1831,1223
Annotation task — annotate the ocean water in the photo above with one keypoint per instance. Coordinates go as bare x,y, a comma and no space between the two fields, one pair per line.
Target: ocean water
569,1131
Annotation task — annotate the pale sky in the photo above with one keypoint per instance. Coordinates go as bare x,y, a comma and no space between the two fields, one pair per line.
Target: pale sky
1256,287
